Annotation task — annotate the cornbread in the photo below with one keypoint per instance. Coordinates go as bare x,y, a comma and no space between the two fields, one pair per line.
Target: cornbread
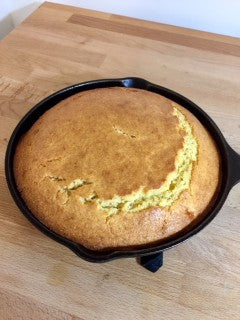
117,168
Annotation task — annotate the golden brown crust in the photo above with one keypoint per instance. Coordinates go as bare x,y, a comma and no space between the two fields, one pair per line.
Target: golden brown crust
119,140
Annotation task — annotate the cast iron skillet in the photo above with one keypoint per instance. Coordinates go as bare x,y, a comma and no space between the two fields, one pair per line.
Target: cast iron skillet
151,257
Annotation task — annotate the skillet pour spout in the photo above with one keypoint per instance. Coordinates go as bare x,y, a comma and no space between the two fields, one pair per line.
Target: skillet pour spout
235,166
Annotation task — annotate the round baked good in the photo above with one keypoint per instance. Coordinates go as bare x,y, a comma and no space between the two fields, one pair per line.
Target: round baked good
117,168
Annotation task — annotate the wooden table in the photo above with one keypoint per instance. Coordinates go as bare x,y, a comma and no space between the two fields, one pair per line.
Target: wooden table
39,279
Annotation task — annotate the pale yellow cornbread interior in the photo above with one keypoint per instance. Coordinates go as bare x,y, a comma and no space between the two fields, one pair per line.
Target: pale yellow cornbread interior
176,182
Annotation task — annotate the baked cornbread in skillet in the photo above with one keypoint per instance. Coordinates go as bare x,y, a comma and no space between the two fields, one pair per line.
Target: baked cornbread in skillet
117,168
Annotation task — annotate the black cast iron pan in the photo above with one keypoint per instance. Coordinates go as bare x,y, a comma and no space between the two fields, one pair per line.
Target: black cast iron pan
151,257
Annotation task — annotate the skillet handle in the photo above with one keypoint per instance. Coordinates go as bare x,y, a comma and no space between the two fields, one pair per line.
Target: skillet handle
234,166
152,262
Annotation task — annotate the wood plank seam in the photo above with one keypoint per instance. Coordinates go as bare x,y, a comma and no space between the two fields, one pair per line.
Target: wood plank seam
155,34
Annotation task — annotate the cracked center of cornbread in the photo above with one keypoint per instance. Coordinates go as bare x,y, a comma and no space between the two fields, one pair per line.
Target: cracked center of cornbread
176,182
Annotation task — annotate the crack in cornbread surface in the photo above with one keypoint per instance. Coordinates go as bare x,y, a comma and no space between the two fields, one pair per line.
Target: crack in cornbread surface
76,138
166,195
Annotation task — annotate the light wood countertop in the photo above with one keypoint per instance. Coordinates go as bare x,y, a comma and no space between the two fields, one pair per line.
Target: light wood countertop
39,279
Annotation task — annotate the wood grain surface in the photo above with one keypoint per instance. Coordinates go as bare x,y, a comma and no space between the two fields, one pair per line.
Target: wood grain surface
39,279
